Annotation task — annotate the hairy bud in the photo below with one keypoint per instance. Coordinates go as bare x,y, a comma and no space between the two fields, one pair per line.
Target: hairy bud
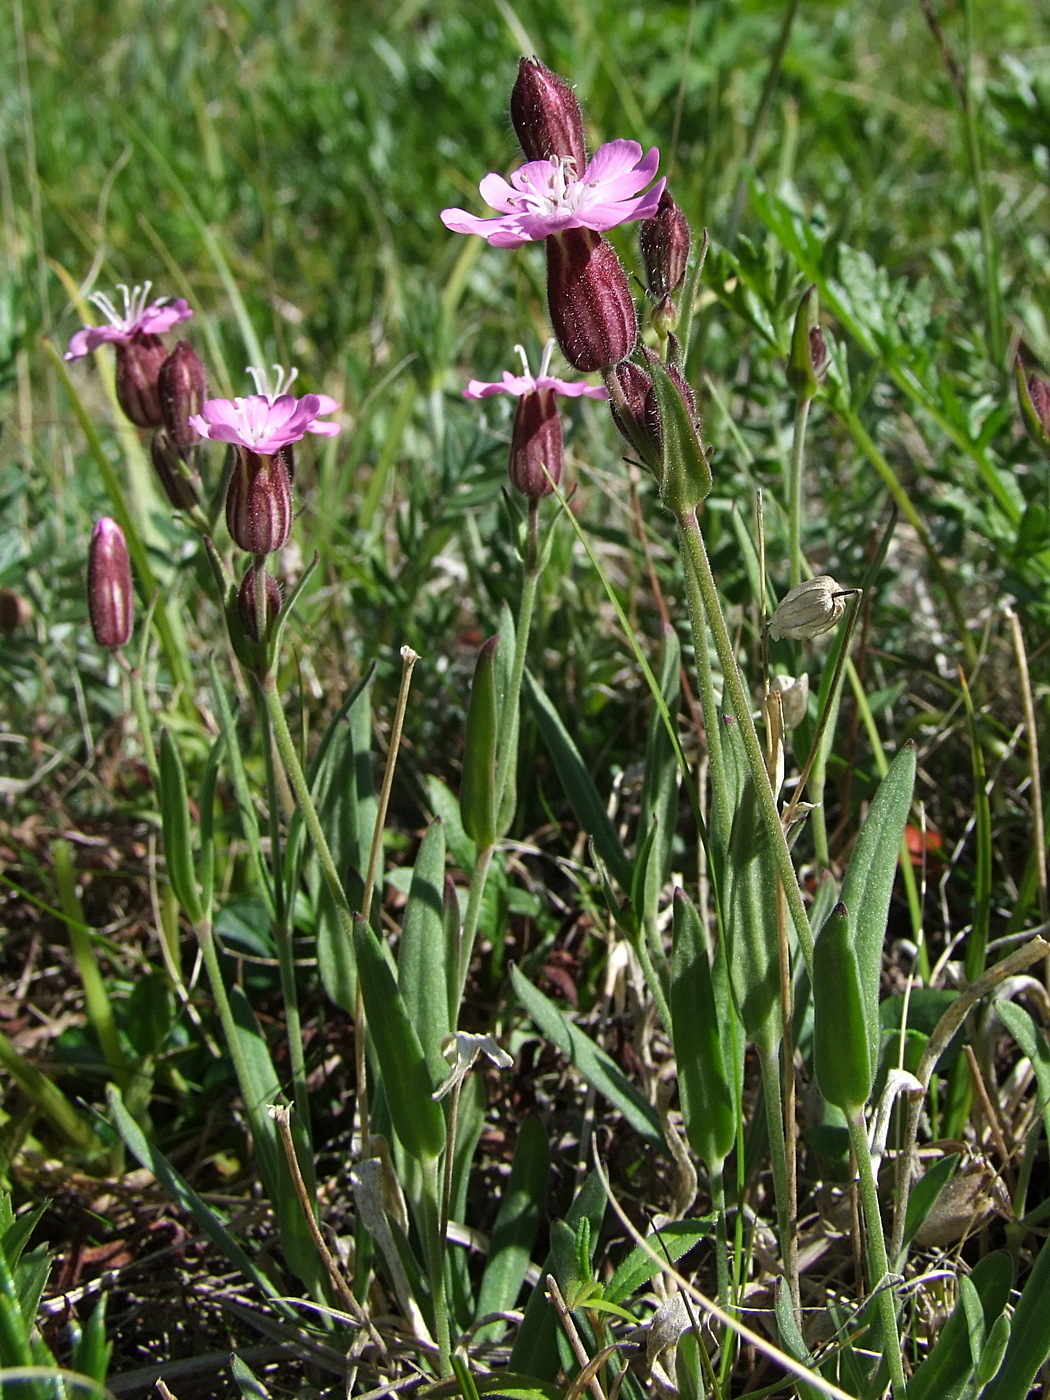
664,243
536,445
259,502
182,388
171,473
248,603
547,116
591,307
109,585
138,364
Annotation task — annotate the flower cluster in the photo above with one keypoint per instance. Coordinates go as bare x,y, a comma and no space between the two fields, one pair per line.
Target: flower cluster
168,393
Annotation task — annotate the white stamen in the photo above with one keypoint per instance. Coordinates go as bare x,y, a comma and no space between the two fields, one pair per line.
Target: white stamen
282,381
136,299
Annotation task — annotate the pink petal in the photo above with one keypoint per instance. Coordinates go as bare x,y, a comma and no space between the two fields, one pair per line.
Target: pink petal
572,388
158,318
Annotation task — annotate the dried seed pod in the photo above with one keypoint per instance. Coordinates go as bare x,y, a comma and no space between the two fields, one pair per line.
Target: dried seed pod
794,698
808,610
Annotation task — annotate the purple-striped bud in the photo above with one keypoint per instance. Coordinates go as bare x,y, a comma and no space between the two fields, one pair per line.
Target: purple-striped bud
248,603
547,116
138,364
259,502
109,585
638,418
536,445
664,244
182,388
591,307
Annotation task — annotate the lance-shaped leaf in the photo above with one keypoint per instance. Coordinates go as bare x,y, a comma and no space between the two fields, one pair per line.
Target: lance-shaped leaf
868,885
407,1083
421,957
477,794
842,1058
703,1079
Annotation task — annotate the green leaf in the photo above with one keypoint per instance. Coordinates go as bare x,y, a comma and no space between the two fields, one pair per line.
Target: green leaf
750,921
184,1195
594,1064
699,1040
92,1351
686,477
418,1121
477,794
247,1382
946,1371
670,1242
1034,1045
514,1232
1029,1344
868,884
842,1055
579,785
422,954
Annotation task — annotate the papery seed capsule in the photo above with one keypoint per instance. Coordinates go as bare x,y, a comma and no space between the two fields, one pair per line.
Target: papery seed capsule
808,610
536,445
109,585
182,388
664,243
259,502
794,698
591,307
138,364
170,469
547,116
248,604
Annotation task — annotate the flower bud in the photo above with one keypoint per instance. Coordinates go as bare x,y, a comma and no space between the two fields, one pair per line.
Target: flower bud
109,585
171,473
664,244
182,388
637,416
591,307
248,604
259,502
1033,395
138,364
808,360
808,610
15,611
536,445
547,116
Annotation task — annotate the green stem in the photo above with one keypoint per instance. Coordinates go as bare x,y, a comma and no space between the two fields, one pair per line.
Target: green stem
798,446
695,553
470,927
506,757
435,1249
975,160
878,1264
142,715
718,1200
769,1059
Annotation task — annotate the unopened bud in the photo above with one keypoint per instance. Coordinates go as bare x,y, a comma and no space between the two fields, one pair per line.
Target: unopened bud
547,116
172,473
138,364
248,603
808,610
182,388
1033,395
664,243
15,611
259,502
109,585
808,360
794,698
536,445
591,307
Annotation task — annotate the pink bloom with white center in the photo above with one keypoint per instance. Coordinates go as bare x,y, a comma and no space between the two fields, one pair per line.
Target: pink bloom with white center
141,317
546,197
519,384
269,420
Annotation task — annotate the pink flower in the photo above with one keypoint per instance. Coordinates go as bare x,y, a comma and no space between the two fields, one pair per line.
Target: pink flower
139,319
267,421
519,384
545,197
